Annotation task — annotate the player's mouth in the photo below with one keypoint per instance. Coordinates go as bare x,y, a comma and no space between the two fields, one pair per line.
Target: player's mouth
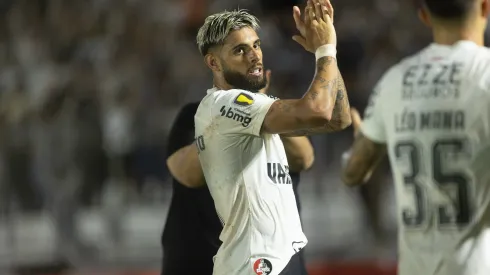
257,71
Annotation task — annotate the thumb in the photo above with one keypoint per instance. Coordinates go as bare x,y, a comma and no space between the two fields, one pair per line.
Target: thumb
300,40
300,25
268,82
330,10
268,76
356,118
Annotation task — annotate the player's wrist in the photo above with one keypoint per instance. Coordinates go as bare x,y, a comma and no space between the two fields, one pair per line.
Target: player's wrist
327,50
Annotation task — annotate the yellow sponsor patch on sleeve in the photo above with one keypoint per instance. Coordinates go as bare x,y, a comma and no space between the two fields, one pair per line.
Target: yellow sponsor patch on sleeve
243,100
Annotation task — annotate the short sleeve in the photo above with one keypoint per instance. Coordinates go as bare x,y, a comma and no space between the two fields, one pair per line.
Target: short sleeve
373,125
240,112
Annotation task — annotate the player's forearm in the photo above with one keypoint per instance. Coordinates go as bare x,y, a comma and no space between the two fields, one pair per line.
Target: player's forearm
361,161
322,93
299,153
318,111
340,118
185,167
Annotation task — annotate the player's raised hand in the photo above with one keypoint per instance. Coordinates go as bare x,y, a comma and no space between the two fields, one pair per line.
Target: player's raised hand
356,120
300,26
317,29
268,78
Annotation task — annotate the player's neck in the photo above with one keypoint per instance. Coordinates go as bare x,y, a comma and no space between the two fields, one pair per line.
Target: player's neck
451,36
221,84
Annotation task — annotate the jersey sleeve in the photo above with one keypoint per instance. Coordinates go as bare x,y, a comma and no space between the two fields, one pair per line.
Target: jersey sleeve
240,112
373,125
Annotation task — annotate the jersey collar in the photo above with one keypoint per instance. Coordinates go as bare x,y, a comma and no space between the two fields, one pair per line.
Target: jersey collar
212,90
461,43
466,44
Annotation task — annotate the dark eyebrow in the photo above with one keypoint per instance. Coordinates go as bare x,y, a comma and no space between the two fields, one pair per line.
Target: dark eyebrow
244,45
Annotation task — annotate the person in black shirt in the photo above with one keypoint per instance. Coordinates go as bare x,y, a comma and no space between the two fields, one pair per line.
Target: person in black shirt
191,235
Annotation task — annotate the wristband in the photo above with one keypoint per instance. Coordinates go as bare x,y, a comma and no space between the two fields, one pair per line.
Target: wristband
326,50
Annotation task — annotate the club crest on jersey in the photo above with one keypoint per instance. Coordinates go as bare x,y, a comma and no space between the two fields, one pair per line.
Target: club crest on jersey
243,100
262,267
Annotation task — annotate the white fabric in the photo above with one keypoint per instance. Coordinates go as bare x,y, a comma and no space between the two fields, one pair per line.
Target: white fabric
247,175
433,112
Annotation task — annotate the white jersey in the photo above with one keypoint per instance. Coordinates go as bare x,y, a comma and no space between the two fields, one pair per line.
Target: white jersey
433,112
247,175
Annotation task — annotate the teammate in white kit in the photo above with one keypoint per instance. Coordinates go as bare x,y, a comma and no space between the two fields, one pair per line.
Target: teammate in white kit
237,136
431,112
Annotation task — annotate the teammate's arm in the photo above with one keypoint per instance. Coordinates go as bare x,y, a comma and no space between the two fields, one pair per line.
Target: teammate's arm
363,158
324,107
183,162
299,153
370,134
185,167
365,154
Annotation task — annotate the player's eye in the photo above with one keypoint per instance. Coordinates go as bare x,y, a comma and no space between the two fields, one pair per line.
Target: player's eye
239,51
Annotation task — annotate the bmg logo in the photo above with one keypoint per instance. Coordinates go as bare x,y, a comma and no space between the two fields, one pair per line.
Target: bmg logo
242,118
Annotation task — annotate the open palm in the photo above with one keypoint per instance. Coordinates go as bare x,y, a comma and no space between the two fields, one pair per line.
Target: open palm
301,26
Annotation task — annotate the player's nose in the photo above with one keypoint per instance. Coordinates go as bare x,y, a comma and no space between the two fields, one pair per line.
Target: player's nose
254,56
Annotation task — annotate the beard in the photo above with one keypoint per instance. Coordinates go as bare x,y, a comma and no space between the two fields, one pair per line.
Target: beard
244,82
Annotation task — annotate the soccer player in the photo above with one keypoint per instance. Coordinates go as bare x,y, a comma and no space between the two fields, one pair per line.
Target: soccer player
191,235
237,137
431,113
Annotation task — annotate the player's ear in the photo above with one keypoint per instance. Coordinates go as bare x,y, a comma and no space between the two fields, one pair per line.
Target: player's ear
212,62
424,16
485,8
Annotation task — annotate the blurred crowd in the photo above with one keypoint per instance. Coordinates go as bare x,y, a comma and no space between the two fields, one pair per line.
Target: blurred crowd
89,88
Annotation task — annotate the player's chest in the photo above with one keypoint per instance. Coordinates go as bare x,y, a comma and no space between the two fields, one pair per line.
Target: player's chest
277,166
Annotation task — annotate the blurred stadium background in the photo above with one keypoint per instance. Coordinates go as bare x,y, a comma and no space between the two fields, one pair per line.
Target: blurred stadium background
88,91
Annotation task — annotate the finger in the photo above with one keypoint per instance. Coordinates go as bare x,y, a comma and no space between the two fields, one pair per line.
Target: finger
326,15
325,11
330,9
300,40
309,14
297,16
300,25
356,118
267,82
312,11
318,10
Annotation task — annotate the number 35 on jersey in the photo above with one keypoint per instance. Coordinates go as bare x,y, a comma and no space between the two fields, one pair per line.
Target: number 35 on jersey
442,192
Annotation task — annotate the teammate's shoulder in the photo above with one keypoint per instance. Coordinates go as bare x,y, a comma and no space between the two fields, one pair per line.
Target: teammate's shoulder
484,51
391,76
482,56
478,68
410,60
397,70
478,57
